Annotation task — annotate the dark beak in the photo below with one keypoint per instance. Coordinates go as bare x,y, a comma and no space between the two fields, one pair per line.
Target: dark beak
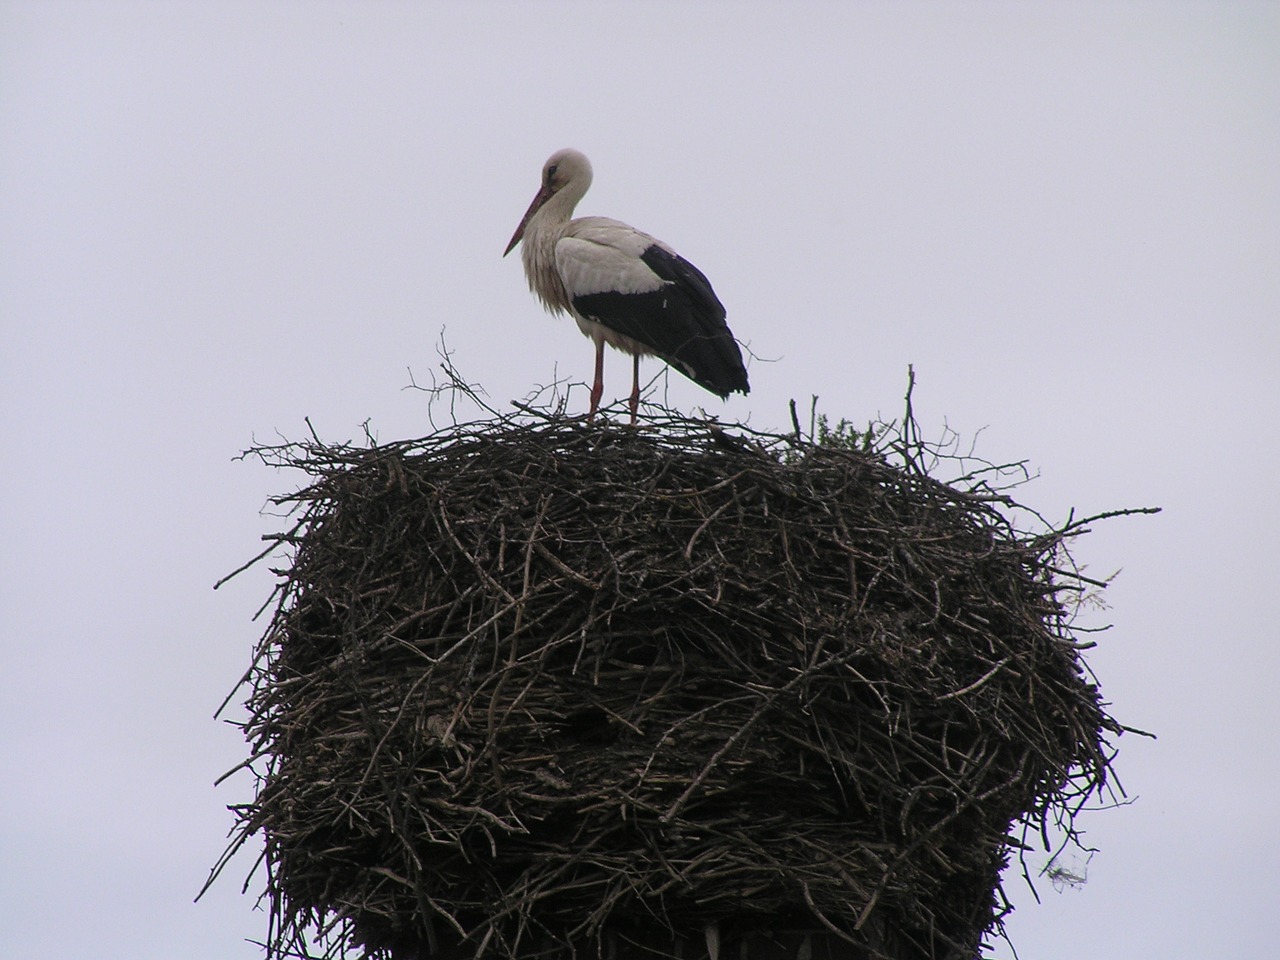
543,196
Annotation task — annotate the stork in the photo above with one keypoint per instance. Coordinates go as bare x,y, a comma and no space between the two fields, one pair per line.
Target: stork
623,287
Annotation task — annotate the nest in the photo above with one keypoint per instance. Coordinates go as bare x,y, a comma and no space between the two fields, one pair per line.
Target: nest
534,686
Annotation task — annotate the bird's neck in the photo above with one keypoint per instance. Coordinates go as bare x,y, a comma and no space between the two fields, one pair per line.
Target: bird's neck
557,210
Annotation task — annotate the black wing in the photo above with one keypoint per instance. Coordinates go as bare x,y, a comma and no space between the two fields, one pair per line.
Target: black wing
681,320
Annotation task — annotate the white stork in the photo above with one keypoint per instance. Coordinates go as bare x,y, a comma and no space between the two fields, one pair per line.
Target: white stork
623,287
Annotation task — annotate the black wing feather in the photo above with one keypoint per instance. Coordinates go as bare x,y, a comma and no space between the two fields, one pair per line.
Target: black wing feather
682,321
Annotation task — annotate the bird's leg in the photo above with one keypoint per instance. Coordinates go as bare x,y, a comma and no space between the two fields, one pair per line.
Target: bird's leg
597,388
635,387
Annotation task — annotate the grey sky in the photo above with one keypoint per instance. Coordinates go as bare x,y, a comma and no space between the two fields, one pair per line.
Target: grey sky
217,219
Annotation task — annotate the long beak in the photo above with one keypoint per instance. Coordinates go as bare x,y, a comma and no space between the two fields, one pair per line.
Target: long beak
543,196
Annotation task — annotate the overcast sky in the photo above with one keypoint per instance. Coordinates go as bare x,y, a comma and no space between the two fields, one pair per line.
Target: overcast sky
217,219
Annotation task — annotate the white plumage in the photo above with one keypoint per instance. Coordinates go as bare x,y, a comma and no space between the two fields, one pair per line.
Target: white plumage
623,287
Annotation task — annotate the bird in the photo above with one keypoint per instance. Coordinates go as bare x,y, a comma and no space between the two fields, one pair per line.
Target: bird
623,287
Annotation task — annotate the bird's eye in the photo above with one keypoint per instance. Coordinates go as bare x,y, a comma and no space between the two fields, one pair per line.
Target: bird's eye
551,172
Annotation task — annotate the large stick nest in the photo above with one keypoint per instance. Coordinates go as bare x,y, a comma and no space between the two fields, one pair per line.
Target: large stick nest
535,684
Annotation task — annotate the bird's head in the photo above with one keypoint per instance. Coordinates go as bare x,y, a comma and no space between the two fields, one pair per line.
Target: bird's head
566,173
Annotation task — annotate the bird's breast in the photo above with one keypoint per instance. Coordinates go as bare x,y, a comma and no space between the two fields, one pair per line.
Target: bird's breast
538,253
